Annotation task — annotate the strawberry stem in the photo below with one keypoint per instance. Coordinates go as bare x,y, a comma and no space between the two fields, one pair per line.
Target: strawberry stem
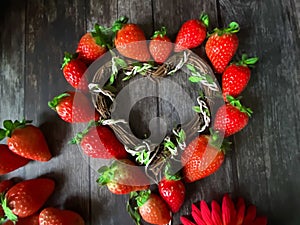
55,101
162,32
10,126
236,103
204,18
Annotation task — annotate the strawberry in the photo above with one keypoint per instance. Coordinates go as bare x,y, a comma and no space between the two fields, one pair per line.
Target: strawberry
231,117
221,46
10,161
123,177
160,46
73,107
26,198
172,190
93,45
130,40
30,220
25,140
100,142
54,216
236,77
73,70
201,158
192,33
152,208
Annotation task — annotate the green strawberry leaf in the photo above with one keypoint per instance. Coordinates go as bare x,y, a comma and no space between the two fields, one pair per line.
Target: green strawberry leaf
162,32
7,211
8,124
2,134
204,18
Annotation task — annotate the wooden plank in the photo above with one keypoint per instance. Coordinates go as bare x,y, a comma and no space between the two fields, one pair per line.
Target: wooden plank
114,210
53,27
12,22
173,16
266,149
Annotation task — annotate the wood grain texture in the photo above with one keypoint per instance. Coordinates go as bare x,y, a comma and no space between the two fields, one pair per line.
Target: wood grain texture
264,165
267,152
12,58
53,27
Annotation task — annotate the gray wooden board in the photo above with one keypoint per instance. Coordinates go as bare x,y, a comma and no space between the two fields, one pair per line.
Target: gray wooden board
264,165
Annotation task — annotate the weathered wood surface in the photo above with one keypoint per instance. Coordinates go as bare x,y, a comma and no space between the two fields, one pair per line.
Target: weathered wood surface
264,164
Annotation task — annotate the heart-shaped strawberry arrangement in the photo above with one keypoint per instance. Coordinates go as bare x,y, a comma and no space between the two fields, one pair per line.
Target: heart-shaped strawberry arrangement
134,56
192,151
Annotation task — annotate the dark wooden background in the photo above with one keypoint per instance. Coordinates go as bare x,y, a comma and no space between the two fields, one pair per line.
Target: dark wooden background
264,165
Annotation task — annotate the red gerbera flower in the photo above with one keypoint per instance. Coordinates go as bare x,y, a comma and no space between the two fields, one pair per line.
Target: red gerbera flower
229,214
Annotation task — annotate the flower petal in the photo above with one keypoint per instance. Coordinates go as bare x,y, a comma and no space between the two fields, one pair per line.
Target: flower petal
240,211
205,212
185,221
251,214
216,213
226,210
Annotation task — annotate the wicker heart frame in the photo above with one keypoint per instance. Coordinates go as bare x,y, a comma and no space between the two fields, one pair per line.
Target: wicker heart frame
103,100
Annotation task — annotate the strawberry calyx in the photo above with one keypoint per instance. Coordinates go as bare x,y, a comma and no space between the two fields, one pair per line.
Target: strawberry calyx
56,100
10,126
142,197
68,57
245,61
236,103
80,135
119,23
169,174
106,174
217,141
232,28
102,36
132,208
9,215
204,18
160,33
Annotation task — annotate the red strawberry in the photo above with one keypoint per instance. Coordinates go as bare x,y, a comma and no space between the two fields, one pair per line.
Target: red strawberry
26,198
192,33
231,117
53,216
221,46
201,158
25,140
152,208
9,161
100,142
172,190
123,177
30,220
160,46
236,77
93,44
73,107
73,70
130,40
